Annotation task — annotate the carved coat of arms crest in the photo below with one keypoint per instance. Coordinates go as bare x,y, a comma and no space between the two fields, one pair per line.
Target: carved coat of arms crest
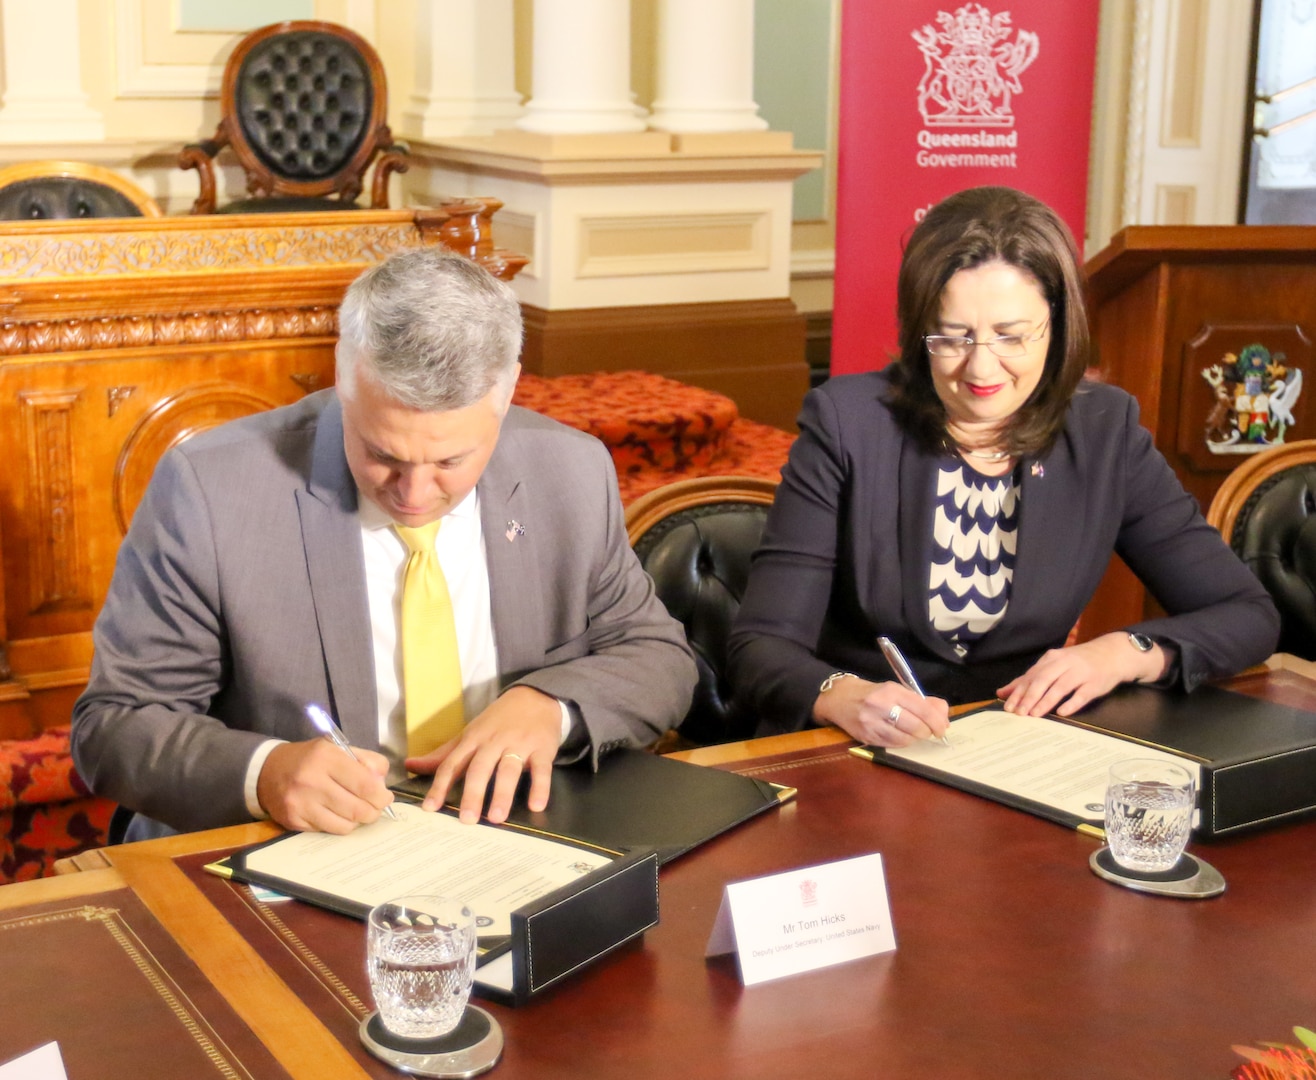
973,67
1255,391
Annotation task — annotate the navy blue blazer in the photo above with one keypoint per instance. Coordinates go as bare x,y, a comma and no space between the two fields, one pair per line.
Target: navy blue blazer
848,545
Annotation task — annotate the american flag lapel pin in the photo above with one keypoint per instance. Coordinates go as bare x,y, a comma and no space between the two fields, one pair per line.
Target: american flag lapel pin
514,529
1037,469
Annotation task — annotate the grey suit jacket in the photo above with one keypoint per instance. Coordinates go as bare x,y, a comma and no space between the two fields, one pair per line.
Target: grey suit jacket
239,596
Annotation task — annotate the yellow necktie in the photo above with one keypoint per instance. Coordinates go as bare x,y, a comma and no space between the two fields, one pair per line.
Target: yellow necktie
431,665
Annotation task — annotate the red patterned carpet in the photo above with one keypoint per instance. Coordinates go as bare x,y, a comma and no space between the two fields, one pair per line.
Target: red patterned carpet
46,812
657,429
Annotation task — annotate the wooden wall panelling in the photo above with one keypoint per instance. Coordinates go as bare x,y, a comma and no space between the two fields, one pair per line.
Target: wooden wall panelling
1128,328
84,455
120,338
1170,301
15,719
1221,310
687,342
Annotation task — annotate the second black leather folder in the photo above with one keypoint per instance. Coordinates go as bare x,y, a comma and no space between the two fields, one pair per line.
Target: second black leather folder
639,800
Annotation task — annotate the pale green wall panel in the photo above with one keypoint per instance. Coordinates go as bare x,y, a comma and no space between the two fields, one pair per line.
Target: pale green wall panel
240,15
792,54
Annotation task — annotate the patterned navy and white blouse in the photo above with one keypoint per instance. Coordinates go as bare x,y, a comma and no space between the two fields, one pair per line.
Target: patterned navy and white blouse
974,529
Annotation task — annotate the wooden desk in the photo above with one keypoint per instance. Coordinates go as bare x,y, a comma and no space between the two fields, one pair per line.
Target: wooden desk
1013,958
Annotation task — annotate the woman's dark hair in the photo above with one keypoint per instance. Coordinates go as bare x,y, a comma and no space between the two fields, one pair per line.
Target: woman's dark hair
968,229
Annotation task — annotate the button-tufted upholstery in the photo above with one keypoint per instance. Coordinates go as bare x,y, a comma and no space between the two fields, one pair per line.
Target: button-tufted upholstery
305,111
1267,511
695,539
50,190
62,197
1276,537
304,100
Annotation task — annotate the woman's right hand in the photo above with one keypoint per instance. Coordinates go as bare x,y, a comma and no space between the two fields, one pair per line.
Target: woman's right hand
865,710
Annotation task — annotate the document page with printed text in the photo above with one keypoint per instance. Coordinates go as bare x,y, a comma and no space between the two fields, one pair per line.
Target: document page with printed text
1031,757
493,870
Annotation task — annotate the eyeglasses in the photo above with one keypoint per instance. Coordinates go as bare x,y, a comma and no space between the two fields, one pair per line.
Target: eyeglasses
1006,346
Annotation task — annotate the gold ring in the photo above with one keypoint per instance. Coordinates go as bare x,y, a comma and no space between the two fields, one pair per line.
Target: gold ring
510,754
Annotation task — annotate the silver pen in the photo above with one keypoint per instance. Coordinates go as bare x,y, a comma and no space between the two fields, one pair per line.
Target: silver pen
903,671
329,729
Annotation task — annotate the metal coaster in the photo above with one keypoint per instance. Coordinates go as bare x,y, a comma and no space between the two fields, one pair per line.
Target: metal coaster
473,1047
1188,879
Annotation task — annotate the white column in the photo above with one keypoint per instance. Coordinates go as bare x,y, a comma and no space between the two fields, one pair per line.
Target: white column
705,67
582,68
358,15
43,99
465,69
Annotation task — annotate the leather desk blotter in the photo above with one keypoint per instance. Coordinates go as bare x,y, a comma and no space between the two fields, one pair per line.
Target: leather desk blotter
100,976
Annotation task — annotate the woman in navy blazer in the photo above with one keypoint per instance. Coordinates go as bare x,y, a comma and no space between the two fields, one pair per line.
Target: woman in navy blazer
965,502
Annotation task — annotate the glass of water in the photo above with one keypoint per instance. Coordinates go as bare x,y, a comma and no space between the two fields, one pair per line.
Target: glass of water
420,955
1149,812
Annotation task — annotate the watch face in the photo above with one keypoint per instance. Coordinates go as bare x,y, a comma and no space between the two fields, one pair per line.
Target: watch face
1141,642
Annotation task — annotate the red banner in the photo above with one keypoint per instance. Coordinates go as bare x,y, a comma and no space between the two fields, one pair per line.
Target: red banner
938,96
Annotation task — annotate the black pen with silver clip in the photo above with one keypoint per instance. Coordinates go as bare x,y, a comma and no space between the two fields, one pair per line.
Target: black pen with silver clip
903,671
325,726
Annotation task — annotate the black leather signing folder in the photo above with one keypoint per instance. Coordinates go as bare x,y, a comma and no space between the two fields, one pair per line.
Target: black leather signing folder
610,898
568,929
1258,758
637,811
1255,760
638,800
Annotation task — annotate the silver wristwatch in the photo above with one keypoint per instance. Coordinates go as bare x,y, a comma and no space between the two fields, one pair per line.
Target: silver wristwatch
1141,642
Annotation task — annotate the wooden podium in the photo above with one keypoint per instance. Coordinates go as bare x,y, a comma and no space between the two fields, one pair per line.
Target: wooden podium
1174,309
121,337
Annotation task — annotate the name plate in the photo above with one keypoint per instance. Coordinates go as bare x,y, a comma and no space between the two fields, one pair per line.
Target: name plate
43,1063
804,919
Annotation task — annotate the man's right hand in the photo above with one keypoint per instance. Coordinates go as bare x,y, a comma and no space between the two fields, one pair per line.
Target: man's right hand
313,786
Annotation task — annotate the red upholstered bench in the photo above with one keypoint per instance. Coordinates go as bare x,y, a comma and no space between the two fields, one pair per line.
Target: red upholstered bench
46,812
657,429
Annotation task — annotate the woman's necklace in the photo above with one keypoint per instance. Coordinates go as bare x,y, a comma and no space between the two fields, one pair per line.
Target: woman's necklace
983,455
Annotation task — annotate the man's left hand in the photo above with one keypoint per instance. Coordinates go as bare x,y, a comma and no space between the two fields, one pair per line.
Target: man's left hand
520,730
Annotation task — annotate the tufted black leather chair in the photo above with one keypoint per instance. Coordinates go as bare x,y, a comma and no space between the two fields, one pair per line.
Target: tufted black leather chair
50,190
305,106
1266,510
695,539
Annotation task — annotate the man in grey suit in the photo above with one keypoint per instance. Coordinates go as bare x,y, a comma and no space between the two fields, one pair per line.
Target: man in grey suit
261,573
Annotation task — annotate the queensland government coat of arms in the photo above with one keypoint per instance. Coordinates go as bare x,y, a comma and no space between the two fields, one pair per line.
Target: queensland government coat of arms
1255,392
972,68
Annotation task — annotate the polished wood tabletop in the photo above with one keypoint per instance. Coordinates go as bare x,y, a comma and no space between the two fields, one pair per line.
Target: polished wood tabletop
1013,958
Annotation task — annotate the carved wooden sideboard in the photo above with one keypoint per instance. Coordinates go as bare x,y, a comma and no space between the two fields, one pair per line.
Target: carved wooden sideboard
120,338
1171,304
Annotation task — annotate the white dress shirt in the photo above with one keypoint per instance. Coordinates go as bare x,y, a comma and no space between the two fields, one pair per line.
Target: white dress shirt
461,551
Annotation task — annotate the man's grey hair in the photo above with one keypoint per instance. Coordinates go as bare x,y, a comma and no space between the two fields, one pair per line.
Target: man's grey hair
433,329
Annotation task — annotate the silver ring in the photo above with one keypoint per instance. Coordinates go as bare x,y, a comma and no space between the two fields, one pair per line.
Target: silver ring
510,754
893,717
